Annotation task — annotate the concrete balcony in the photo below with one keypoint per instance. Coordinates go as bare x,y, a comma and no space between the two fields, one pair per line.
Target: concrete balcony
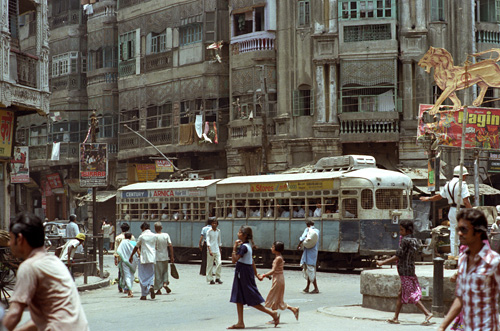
158,61
257,46
369,127
487,36
248,133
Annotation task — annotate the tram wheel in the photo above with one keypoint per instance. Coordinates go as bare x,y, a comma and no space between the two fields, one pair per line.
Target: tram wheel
7,282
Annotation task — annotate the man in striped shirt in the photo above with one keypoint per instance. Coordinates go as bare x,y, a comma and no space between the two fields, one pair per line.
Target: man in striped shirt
478,282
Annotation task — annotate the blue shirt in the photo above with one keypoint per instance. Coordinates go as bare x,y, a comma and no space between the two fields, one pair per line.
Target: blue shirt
310,255
204,231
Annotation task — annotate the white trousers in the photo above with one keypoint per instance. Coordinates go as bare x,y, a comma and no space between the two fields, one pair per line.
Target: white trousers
215,257
452,217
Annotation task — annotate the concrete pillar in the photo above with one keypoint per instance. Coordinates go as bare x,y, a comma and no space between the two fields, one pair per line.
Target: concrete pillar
437,288
405,20
407,90
320,94
421,18
333,95
333,16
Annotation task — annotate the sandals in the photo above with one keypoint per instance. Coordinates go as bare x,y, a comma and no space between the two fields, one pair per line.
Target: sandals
392,321
276,320
306,290
296,314
427,320
236,326
315,291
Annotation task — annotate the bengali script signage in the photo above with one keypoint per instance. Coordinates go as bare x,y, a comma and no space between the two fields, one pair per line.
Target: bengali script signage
292,186
93,165
482,129
6,132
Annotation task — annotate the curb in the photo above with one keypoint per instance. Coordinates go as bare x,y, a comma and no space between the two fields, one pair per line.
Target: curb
328,311
94,286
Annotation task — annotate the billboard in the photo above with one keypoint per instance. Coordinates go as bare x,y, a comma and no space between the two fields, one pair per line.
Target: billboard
6,132
20,171
93,165
482,129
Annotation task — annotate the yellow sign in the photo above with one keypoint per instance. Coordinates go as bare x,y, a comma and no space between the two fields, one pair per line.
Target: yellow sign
6,132
292,186
145,172
164,166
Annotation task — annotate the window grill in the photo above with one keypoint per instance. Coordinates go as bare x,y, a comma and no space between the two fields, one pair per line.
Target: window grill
367,199
373,32
391,199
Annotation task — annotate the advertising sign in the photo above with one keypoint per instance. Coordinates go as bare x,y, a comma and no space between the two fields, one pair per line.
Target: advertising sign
494,162
134,194
93,165
482,129
176,193
292,186
20,171
164,166
54,181
145,172
6,132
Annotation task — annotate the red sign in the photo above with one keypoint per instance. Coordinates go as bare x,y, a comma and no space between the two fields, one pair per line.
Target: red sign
47,191
482,130
54,181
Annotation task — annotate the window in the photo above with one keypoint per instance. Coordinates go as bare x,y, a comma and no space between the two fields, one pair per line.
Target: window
489,11
159,116
64,64
350,208
368,99
126,44
158,43
366,199
38,135
366,9
391,199
437,10
108,126
250,21
304,13
190,34
357,33
303,104
131,118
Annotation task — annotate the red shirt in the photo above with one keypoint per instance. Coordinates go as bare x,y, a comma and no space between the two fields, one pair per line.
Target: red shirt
479,289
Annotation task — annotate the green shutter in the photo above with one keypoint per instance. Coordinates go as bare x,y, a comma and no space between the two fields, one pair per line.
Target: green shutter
296,103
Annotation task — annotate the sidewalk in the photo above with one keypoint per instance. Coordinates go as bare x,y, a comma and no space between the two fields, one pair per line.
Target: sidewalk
94,282
358,312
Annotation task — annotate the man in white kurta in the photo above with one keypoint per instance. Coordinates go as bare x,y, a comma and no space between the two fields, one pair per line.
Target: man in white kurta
147,245
214,243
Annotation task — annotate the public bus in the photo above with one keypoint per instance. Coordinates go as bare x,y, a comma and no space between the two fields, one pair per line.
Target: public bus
356,206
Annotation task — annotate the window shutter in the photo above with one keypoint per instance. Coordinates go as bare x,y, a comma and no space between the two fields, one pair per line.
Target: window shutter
149,44
296,103
210,27
313,95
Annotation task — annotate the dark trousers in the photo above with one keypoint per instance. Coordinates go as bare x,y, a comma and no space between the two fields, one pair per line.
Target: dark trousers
119,278
203,267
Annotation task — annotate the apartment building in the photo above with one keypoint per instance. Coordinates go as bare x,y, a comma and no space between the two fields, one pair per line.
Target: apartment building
24,90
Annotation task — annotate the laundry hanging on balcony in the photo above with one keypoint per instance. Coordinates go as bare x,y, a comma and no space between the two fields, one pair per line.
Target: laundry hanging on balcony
198,125
56,148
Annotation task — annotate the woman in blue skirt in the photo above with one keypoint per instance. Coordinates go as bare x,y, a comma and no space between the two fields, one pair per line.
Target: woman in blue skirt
245,290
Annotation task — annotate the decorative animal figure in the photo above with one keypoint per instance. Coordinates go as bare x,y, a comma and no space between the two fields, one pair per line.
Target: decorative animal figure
451,78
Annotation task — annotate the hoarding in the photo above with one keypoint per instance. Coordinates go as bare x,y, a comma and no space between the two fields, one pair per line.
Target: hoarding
93,165
164,166
20,171
482,129
6,132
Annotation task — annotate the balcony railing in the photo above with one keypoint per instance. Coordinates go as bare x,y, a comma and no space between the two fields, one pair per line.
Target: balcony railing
126,68
374,126
489,37
107,78
26,68
369,126
161,136
157,61
258,41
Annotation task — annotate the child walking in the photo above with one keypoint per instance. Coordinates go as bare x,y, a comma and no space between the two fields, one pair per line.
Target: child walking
410,291
274,299
245,290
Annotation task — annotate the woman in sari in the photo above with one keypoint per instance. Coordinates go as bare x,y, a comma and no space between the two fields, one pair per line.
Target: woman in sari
127,269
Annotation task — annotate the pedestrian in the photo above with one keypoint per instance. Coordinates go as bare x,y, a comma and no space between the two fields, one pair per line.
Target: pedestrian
309,257
450,192
203,247
105,229
495,235
163,246
112,235
478,277
409,291
119,238
274,299
72,230
43,284
125,267
214,243
69,249
245,291
147,244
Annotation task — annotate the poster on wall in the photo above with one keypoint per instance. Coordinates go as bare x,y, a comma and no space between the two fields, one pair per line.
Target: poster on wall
482,130
6,132
164,166
93,165
20,172
146,172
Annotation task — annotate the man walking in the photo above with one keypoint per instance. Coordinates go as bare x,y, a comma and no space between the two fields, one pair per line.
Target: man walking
450,192
214,243
147,244
309,257
163,245
203,247
478,281
119,238
43,284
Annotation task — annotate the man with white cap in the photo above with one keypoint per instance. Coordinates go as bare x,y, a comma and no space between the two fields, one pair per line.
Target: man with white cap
450,192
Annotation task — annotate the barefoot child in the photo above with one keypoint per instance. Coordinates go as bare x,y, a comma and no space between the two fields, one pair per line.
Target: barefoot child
410,291
244,288
274,299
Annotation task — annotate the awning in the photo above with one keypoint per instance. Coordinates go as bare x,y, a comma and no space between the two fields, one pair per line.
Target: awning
101,196
484,189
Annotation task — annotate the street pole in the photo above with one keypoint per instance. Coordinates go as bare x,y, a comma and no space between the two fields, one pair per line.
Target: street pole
264,108
476,177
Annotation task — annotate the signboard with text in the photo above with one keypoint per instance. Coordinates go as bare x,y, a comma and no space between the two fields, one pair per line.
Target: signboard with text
494,162
145,172
93,165
164,166
20,171
6,132
292,186
482,129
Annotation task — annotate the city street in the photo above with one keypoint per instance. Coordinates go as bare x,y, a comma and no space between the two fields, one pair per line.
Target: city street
195,305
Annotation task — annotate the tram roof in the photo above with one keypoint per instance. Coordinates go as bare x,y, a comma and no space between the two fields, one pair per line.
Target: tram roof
169,185
368,173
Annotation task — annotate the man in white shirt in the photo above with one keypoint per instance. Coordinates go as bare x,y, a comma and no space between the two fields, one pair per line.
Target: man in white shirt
298,212
69,249
163,245
450,192
72,230
203,247
106,229
317,211
214,243
147,243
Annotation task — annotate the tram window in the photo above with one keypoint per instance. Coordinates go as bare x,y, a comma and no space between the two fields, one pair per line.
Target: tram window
229,208
314,208
134,211
186,211
195,212
391,199
240,208
254,208
174,209
153,211
268,208
331,205
350,208
298,208
211,210
283,208
164,212
366,199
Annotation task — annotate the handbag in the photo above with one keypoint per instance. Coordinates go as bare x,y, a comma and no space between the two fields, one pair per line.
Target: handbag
311,239
173,271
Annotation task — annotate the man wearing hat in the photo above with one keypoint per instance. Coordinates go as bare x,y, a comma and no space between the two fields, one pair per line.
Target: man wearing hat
450,192
69,248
